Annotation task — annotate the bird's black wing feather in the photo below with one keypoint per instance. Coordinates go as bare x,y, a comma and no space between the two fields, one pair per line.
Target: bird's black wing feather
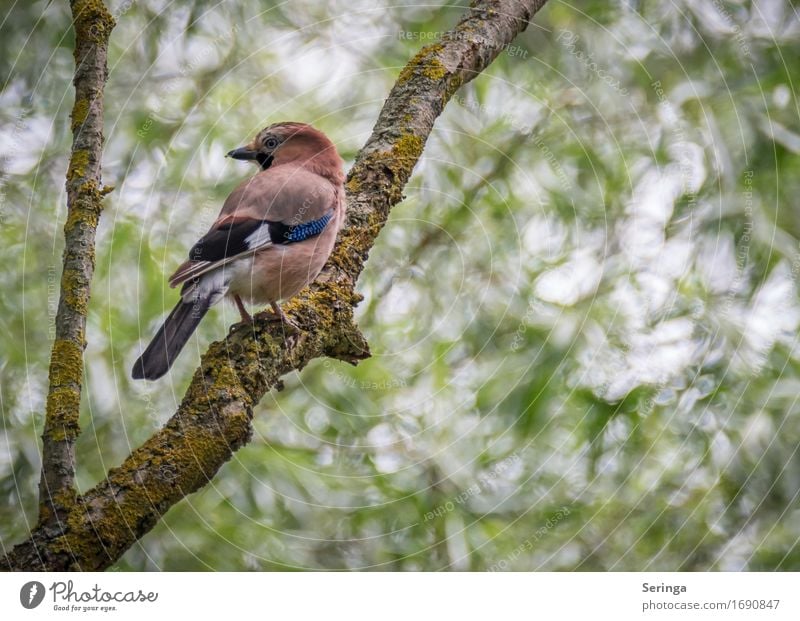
226,241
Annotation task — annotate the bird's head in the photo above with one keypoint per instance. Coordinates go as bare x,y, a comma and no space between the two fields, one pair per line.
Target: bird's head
285,143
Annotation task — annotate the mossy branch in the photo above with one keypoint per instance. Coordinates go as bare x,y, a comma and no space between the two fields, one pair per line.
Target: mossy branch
57,495
214,419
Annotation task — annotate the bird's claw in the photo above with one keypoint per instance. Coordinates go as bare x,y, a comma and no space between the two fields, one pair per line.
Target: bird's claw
291,330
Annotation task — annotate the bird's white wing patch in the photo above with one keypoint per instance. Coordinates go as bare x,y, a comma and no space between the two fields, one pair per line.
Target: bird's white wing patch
259,238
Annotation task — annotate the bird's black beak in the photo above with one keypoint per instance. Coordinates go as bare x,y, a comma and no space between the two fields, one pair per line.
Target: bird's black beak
243,153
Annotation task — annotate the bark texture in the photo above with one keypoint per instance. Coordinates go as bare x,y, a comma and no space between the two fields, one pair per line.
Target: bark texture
215,417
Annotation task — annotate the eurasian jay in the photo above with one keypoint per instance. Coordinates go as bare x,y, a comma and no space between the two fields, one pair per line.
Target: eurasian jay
271,238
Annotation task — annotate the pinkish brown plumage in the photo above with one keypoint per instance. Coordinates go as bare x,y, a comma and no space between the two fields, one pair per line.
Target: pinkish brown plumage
272,237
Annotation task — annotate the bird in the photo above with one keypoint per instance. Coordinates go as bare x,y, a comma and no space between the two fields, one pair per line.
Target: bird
272,237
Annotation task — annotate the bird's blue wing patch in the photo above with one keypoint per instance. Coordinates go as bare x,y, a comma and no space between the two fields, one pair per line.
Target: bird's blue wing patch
282,233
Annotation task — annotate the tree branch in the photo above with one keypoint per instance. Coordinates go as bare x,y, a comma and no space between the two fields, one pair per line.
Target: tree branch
215,417
57,495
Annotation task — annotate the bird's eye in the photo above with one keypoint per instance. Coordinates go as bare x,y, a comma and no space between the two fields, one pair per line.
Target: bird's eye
271,143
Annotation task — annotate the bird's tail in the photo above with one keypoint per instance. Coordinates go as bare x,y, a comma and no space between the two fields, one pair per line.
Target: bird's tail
170,339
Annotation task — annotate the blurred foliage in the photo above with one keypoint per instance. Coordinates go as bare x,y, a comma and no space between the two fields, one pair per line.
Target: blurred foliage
583,316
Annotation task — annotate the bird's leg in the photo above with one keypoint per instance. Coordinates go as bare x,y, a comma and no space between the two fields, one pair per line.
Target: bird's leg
277,314
246,317
288,325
